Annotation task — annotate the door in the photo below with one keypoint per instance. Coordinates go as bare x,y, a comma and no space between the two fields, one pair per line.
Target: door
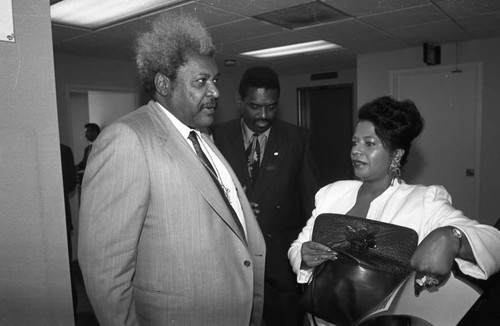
327,112
448,151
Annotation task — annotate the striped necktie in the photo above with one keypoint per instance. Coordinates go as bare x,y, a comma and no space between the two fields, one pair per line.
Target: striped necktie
193,137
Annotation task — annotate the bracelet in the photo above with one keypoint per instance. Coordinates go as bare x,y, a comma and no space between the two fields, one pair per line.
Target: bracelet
457,234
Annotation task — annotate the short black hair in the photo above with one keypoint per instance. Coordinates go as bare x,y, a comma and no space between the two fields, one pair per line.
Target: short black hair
93,126
397,123
259,77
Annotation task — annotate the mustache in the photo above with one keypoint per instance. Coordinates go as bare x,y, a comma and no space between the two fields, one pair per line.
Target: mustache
209,104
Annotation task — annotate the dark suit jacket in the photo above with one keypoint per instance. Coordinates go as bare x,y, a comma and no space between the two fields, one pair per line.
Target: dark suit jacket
157,242
81,166
69,180
284,190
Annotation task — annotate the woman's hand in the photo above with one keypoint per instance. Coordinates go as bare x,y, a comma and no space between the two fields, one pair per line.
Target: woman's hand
314,254
434,257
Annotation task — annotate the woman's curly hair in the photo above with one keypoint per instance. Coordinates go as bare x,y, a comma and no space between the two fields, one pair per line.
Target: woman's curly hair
166,47
397,123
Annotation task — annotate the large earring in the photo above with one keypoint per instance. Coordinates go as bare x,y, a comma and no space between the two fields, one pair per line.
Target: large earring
395,169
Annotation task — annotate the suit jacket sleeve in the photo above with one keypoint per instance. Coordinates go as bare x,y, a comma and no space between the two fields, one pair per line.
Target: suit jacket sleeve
113,209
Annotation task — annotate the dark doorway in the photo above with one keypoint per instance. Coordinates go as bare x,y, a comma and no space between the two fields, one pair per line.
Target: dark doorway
327,111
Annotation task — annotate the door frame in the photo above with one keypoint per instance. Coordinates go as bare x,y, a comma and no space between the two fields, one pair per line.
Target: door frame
301,111
476,66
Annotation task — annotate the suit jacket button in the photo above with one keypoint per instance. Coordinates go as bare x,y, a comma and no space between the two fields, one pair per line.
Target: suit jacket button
247,263
277,207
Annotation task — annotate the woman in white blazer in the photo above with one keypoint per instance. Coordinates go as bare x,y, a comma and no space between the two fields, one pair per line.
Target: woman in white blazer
380,147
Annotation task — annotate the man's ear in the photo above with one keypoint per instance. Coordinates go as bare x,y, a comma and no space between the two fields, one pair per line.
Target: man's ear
162,84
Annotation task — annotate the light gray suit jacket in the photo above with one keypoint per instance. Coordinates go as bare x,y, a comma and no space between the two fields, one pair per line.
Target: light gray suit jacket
157,243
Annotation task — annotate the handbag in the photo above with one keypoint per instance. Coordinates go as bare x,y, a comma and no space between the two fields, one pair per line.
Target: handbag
372,259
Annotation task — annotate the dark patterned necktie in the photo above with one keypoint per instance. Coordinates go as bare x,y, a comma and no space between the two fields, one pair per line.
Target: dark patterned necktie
193,137
253,157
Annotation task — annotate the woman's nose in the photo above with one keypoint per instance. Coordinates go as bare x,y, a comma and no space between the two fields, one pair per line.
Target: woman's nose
356,150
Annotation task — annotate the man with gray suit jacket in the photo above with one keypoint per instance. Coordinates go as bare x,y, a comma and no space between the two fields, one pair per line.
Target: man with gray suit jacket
167,235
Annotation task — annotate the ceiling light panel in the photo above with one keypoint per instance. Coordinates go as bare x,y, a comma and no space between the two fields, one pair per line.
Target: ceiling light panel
94,14
306,47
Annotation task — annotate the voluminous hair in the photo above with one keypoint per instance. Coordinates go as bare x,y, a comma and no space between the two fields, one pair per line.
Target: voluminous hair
166,47
397,123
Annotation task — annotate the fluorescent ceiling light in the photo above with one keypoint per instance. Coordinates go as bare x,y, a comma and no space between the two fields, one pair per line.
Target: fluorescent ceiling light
97,13
314,46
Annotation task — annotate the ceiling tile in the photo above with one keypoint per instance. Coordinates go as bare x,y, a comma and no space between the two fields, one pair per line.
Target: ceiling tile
359,8
252,7
482,26
405,17
209,15
63,33
434,33
463,8
245,29
353,35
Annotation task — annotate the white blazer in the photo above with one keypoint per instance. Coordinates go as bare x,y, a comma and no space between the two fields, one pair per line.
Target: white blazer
418,207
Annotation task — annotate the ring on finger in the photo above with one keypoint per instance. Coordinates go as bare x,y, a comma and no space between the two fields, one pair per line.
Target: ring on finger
427,280
432,281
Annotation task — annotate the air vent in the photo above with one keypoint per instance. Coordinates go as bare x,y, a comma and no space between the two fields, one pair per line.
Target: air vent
305,15
325,75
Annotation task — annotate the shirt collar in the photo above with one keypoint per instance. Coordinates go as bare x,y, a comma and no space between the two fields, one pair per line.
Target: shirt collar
181,127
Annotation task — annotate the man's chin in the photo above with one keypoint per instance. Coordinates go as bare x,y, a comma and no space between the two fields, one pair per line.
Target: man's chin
205,121
261,127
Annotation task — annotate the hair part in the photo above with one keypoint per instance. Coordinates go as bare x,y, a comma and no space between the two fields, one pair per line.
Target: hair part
167,46
259,77
397,123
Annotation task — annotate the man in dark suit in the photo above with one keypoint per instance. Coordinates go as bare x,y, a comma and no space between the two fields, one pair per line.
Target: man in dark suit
273,163
92,130
166,233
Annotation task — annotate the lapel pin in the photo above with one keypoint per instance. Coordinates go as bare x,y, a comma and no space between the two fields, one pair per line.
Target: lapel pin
275,154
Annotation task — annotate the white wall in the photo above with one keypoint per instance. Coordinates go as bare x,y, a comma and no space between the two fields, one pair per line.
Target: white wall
34,269
373,81
89,73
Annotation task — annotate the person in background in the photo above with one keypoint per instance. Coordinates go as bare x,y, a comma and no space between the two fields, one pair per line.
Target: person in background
92,130
273,162
166,234
380,147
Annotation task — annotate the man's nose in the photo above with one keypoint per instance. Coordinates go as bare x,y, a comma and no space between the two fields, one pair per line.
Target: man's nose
263,112
213,91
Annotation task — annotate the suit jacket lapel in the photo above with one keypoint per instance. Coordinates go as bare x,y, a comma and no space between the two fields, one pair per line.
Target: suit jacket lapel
187,161
237,158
